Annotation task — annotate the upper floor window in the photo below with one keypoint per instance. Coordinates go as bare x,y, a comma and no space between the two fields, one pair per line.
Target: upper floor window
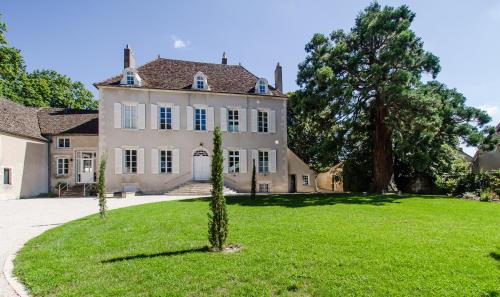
130,116
63,142
262,121
200,119
233,120
263,161
234,161
200,82
166,161
62,166
130,161
130,78
7,176
165,118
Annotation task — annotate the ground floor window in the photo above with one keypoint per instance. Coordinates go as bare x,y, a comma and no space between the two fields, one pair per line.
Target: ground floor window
130,161
234,161
166,161
7,176
263,188
305,180
62,166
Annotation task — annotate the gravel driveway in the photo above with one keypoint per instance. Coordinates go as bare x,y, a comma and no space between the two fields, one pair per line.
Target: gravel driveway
21,220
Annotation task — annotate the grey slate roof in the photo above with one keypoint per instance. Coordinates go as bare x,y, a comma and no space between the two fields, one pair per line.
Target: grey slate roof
178,75
19,120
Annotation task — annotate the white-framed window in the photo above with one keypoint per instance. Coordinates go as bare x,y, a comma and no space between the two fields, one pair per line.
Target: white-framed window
200,119
263,161
200,82
262,87
130,161
130,78
263,188
233,120
7,176
130,116
165,161
234,161
263,121
305,180
165,118
62,166
63,142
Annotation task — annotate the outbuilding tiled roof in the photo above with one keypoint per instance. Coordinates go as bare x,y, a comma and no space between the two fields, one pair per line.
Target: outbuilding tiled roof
76,121
19,120
178,75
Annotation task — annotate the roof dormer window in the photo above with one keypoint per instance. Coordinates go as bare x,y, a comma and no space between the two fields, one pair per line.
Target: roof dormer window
200,81
130,78
262,86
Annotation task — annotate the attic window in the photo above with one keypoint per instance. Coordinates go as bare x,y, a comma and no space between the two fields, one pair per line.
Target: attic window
130,78
200,82
262,87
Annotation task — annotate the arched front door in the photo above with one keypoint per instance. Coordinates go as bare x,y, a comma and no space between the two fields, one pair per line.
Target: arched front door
201,165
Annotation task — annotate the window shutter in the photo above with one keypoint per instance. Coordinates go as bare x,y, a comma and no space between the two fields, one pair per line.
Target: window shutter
175,118
118,161
140,161
118,115
154,116
255,156
254,120
210,119
243,161
141,117
272,161
272,121
225,155
223,119
189,117
243,119
154,161
175,161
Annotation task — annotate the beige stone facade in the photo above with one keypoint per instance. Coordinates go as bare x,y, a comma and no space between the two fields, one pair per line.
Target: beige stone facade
301,178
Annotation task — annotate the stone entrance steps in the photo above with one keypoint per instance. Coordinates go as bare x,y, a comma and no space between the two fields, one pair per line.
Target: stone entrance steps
73,191
193,188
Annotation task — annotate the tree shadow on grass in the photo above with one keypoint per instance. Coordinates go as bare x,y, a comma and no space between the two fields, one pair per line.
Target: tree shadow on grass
162,254
314,199
495,256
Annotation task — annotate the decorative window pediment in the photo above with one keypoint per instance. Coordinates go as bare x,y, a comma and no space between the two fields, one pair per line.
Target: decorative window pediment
262,86
131,77
200,81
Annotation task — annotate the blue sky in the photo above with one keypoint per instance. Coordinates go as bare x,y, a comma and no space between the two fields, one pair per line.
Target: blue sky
85,39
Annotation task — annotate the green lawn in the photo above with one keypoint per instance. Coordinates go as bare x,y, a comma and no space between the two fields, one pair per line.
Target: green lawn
294,245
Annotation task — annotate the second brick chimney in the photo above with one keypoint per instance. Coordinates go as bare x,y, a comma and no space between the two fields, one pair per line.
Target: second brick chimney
128,58
278,78
224,58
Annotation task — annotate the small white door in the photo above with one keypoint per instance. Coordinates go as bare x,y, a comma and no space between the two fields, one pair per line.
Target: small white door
86,171
201,165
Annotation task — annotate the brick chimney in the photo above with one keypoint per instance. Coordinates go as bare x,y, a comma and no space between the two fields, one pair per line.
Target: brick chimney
224,58
128,58
278,78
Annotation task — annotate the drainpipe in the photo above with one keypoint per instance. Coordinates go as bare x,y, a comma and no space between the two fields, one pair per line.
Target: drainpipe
49,137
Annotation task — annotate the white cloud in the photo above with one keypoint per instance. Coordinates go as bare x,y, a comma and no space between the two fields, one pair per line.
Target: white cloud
179,43
491,110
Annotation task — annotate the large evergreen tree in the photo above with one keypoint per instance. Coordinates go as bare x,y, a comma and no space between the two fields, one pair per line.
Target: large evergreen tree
362,99
43,88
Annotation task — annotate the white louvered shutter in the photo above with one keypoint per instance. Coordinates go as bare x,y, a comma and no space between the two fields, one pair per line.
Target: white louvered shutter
223,119
272,161
243,161
176,120
210,119
225,154
118,161
118,115
141,116
154,117
243,119
175,161
272,121
255,156
253,120
189,117
140,161
154,161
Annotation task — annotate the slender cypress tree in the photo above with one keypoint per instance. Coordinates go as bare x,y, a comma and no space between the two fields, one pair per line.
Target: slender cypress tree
101,187
217,217
254,181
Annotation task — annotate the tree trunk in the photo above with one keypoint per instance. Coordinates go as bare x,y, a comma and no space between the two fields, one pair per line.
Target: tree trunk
382,148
